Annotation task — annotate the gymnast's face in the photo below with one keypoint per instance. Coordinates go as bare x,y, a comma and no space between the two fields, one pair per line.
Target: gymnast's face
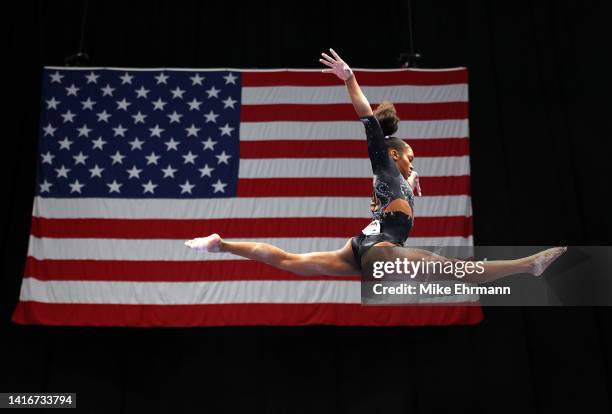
403,160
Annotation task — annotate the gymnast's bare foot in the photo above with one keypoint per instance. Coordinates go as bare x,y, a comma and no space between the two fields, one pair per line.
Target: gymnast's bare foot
540,261
205,244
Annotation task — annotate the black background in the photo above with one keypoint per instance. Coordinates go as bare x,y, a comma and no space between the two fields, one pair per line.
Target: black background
540,166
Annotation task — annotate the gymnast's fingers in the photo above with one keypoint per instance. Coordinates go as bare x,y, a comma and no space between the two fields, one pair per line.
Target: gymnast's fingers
333,52
329,58
323,61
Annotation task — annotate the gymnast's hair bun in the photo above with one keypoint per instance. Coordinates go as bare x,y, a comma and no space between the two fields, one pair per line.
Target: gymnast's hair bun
387,117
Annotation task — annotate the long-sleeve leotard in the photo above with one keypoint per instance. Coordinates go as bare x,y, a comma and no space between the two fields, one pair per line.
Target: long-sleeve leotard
389,184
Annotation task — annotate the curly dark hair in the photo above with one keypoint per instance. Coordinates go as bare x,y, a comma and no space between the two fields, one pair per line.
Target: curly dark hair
387,117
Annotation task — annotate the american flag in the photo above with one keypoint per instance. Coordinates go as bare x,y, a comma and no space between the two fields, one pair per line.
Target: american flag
132,162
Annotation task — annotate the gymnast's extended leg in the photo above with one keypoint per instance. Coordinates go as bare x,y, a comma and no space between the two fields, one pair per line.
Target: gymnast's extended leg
338,262
493,269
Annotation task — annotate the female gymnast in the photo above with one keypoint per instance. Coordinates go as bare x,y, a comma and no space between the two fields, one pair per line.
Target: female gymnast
395,182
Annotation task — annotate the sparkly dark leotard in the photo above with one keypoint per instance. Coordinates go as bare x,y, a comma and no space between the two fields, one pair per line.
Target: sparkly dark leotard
389,184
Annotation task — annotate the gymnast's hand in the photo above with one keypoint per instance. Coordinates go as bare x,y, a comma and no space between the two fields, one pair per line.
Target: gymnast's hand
413,180
337,66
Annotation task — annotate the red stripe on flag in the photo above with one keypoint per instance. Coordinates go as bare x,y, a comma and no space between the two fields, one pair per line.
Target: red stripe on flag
162,271
439,147
357,148
235,227
244,314
346,112
342,187
365,78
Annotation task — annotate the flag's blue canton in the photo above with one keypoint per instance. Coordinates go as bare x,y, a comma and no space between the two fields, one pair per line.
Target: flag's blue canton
139,134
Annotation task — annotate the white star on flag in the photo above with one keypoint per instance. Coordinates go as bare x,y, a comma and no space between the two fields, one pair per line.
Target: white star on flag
194,105
45,187
120,130
56,77
123,104
162,78
169,171
72,90
107,90
114,187
156,131
197,79
211,117
189,158
213,92
117,158
139,118
152,158
192,131
98,143
136,143
142,92
65,144
149,187
209,144
226,130
88,104
159,104
62,172
172,144
229,103
103,116
96,171
84,131
230,79
186,188
92,78
134,172
52,103
223,158
49,130
127,78
68,116
47,158
219,187
174,117
75,187
80,158
206,171
177,93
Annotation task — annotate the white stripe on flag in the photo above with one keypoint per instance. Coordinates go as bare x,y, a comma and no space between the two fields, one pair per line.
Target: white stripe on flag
192,293
345,167
247,207
165,249
337,94
333,130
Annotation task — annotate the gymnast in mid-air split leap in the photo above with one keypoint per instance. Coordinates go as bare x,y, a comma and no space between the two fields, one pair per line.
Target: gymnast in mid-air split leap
394,185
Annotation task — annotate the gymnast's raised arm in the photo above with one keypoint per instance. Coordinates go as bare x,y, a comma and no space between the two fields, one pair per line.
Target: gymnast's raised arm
377,150
339,68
